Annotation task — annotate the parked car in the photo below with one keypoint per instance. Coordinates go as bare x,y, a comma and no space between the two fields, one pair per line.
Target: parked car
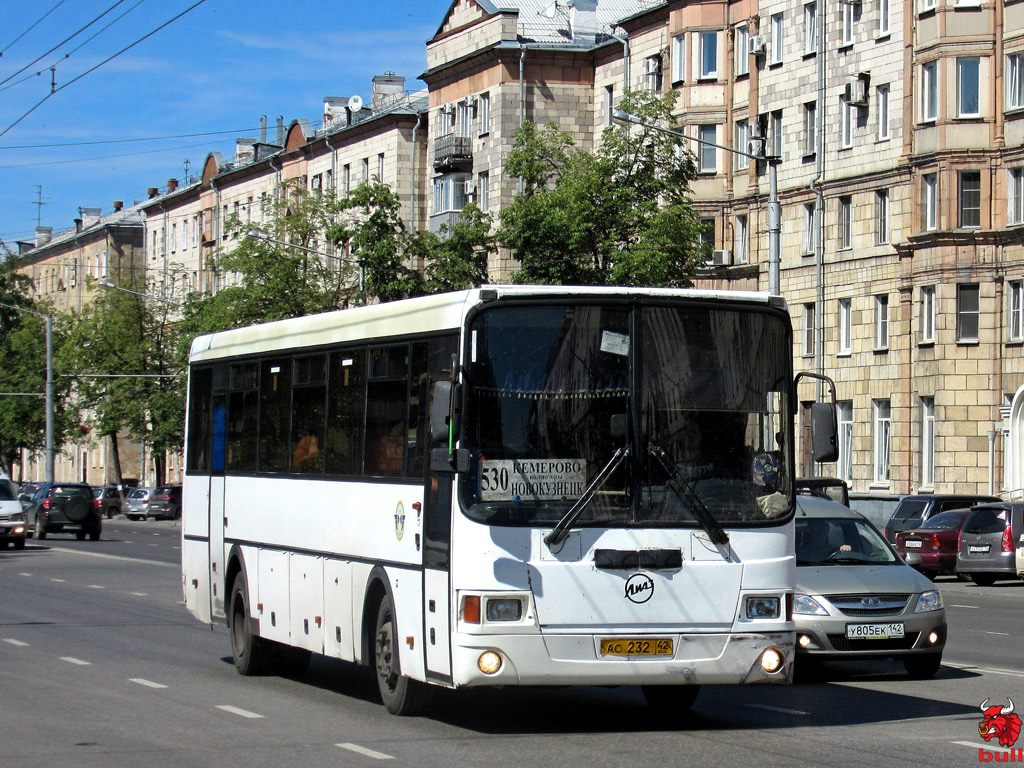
914,510
13,529
68,507
825,487
856,599
936,541
107,501
137,502
988,540
165,502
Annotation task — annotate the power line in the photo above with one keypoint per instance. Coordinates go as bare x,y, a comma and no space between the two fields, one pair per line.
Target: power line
58,5
105,157
125,141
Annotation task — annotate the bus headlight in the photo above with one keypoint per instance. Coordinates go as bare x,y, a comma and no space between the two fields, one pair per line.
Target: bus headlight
763,607
504,609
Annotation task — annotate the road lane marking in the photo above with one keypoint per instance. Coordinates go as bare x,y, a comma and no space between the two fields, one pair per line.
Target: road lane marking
73,660
111,557
986,670
18,643
987,747
954,605
777,709
139,594
59,581
988,632
25,574
147,683
364,751
239,712
96,586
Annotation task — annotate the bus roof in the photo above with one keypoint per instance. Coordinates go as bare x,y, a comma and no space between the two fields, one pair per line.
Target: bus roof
424,314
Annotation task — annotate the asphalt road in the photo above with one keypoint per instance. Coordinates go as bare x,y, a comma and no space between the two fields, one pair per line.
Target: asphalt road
100,665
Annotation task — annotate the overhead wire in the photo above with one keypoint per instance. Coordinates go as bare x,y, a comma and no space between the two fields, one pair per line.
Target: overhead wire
124,141
31,27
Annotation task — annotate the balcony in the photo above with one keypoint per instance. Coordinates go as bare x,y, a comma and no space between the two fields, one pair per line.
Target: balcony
452,152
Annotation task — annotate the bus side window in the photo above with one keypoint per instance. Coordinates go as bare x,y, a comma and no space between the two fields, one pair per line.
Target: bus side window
308,394
346,406
387,404
275,411
200,400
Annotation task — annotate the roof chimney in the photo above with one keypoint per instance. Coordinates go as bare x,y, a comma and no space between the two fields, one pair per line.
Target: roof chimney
334,108
279,132
152,192
43,235
245,151
387,88
90,216
172,184
118,205
583,20
263,129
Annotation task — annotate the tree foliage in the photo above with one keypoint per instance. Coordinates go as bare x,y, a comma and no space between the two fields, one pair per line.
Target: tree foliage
618,216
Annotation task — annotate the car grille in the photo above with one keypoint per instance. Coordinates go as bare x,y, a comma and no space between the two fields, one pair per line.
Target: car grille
869,605
842,643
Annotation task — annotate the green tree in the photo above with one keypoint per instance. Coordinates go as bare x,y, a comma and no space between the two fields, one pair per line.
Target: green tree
457,260
618,216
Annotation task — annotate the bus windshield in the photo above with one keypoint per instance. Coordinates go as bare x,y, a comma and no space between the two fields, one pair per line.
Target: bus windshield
662,415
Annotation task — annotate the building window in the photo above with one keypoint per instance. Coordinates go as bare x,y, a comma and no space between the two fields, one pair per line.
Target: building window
346,178
883,439
968,312
809,229
969,201
927,314
740,239
845,326
881,217
929,90
484,113
1015,306
930,201
678,58
366,170
848,19
709,55
882,110
464,120
742,44
449,193
708,137
928,5
845,222
845,414
968,95
706,236
810,127
883,18
652,74
1015,196
609,105
777,40
846,118
810,28
808,335
1014,81
483,194
927,441
882,321
380,167
742,140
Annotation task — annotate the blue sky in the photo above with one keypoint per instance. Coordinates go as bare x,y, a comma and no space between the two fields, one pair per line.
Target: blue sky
218,68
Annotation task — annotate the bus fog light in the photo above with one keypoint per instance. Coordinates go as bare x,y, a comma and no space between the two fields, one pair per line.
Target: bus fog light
489,662
771,660
504,609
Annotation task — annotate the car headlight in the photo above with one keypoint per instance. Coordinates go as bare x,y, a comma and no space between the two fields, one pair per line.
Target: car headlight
807,605
929,601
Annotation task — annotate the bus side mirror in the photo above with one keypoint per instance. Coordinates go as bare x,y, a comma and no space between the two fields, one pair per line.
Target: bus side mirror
443,461
442,409
824,432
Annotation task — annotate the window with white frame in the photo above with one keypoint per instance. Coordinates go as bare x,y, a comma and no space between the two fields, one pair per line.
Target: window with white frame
1015,310
652,74
881,321
969,199
707,154
709,55
742,140
847,23
844,410
483,112
450,193
927,314
775,131
678,58
846,117
883,439
883,18
346,178
742,46
927,441
928,5
740,239
881,216
808,331
464,120
810,28
845,326
1015,196
706,235
609,105
366,169
483,190
845,222
968,312
930,201
929,90
810,230
882,111
380,167
810,127
1014,78
777,40
968,86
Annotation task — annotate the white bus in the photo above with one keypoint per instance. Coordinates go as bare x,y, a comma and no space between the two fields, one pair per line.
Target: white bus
511,485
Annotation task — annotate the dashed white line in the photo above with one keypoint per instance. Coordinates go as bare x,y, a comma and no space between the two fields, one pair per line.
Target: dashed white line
987,670
988,632
25,574
238,711
954,605
59,581
364,751
777,709
73,660
147,683
18,643
139,594
96,586
987,747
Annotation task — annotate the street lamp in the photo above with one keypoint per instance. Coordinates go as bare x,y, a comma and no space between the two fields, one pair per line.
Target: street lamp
48,446
774,208
257,235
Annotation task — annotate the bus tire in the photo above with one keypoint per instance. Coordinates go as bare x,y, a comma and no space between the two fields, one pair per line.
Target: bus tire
400,695
250,653
670,698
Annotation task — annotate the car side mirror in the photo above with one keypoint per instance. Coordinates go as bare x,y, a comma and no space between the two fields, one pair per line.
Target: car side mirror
912,559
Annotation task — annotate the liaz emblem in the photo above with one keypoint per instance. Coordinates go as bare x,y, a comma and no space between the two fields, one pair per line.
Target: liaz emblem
639,588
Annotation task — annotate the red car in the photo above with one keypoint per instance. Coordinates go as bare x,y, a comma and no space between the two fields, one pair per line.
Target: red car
936,541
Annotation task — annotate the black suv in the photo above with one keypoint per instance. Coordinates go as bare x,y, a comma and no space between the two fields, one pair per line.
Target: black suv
914,510
165,502
68,507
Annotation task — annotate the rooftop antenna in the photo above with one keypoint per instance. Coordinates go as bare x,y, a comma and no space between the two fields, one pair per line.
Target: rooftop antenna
39,203
186,172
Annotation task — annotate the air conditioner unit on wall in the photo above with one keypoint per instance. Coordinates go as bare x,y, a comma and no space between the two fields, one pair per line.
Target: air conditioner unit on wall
721,258
856,92
652,66
470,187
757,45
471,100
447,109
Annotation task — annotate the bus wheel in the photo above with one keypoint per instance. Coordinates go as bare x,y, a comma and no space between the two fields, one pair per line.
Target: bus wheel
249,652
670,698
401,696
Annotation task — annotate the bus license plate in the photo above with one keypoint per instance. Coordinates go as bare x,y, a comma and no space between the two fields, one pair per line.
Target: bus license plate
636,646
889,631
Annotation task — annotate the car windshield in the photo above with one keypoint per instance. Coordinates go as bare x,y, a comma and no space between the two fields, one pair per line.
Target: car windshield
909,509
70,491
663,415
97,492
947,521
840,541
137,494
7,491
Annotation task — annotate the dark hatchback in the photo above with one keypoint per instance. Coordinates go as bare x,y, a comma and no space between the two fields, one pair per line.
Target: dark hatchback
988,542
68,507
914,510
165,502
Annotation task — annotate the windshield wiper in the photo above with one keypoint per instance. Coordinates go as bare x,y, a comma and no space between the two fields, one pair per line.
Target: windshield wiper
560,531
685,492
